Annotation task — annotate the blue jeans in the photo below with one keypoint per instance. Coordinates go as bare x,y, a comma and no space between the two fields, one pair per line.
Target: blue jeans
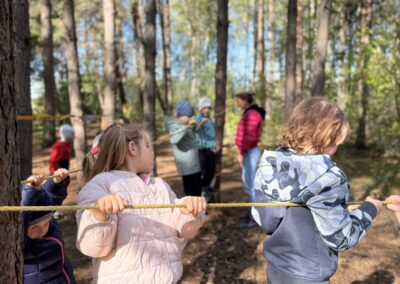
250,162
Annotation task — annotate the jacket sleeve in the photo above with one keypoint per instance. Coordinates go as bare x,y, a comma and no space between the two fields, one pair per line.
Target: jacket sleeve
339,228
176,133
94,238
32,196
187,226
56,192
268,218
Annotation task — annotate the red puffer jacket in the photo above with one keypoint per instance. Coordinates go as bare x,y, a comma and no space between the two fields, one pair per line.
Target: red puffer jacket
250,128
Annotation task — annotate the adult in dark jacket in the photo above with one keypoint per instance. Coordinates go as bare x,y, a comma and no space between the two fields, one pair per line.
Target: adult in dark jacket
44,256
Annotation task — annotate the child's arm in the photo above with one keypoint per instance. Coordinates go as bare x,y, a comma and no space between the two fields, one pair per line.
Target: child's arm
31,191
339,228
97,228
176,133
191,217
56,188
268,218
187,221
394,206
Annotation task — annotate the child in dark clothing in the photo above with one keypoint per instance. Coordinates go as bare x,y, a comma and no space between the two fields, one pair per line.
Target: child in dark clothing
305,241
61,150
44,257
205,135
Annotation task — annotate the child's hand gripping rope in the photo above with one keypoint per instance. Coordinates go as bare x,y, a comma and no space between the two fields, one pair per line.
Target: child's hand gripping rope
114,204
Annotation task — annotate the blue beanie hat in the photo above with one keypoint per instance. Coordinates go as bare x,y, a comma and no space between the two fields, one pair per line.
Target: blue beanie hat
184,108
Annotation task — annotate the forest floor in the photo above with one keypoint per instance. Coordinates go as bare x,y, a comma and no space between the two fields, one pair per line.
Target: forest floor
224,253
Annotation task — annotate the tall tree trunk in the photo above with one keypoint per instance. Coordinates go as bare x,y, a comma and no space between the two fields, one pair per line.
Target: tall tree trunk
220,85
342,76
290,71
166,40
137,17
149,106
98,82
260,47
50,90
120,70
11,258
299,53
365,26
74,90
271,38
110,87
22,84
195,51
321,46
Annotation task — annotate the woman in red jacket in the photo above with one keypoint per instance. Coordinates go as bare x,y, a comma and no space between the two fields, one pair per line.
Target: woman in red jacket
248,136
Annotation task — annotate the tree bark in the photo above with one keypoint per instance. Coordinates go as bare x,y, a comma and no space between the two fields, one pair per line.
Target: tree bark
299,53
321,46
109,64
194,50
137,17
22,84
365,26
166,40
120,66
220,86
271,37
11,257
290,70
98,81
260,50
342,75
74,91
149,103
50,90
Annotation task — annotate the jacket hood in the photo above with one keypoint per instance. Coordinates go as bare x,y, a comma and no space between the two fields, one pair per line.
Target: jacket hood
287,176
257,108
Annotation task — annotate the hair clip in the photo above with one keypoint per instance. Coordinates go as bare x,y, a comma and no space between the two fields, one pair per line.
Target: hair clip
95,150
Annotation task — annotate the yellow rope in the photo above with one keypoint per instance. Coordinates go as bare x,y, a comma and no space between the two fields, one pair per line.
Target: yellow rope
42,117
152,206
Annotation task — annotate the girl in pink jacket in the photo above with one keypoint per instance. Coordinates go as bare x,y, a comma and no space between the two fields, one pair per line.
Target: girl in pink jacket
132,245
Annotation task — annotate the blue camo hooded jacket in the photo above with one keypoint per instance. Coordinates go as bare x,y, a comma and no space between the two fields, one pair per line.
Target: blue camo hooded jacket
305,240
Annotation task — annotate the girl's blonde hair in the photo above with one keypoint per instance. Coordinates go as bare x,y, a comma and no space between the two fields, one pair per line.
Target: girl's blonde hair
113,146
314,125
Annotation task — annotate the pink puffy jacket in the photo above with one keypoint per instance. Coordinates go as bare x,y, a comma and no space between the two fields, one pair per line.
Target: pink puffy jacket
137,245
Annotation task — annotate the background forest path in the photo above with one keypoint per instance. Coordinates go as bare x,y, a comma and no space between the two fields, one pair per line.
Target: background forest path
223,253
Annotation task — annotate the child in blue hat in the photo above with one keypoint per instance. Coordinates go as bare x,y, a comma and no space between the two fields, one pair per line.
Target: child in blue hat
184,147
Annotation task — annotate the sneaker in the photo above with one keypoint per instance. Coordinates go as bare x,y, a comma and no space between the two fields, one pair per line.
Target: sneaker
250,224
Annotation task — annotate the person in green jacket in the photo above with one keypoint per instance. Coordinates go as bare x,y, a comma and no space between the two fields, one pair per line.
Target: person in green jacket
184,148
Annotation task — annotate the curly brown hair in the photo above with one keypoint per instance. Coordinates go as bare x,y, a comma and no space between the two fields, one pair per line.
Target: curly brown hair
314,125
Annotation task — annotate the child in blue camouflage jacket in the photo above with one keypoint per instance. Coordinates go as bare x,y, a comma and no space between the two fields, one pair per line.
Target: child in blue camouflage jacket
305,241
